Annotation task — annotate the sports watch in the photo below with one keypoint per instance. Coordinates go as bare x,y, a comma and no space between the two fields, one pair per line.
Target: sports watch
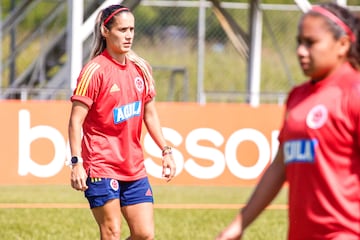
76,160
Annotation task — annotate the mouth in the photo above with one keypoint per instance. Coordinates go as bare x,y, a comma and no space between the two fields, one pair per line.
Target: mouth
304,65
126,45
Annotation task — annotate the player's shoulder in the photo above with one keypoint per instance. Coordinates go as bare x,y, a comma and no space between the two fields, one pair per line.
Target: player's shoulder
301,89
96,65
351,81
92,65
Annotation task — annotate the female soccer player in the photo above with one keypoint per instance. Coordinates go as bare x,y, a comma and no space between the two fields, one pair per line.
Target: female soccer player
113,97
319,154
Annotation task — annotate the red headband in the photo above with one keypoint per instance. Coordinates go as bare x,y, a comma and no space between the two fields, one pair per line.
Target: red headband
114,13
335,19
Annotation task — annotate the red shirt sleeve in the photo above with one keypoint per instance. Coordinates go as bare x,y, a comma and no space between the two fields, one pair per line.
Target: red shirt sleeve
87,86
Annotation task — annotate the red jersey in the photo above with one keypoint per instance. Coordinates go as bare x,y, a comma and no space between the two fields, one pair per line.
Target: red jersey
320,138
116,95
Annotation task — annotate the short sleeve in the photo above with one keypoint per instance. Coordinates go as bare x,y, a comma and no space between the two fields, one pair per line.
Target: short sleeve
87,87
281,133
354,110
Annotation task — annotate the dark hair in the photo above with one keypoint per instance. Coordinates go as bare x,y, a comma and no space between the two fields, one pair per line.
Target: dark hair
351,21
107,17
107,14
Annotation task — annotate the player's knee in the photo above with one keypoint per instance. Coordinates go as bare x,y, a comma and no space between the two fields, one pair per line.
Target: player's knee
143,235
110,232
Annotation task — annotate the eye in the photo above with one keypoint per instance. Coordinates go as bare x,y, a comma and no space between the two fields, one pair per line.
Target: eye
305,42
298,41
125,29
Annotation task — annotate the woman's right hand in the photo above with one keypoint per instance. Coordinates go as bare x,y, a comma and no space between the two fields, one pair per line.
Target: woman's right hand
78,177
233,231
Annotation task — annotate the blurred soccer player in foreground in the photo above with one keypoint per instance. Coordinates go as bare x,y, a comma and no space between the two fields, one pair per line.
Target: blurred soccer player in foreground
319,153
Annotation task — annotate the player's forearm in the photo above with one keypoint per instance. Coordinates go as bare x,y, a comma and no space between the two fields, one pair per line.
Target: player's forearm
74,139
267,189
155,131
152,123
77,116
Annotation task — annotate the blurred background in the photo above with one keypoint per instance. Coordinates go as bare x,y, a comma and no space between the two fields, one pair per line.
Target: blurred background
200,51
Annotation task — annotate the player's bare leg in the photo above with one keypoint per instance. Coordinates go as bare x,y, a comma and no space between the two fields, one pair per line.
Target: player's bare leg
108,218
140,219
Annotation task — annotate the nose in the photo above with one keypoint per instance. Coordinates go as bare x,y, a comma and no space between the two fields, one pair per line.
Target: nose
129,34
302,50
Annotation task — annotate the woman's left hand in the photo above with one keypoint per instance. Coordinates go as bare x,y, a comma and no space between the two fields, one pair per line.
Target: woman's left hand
169,167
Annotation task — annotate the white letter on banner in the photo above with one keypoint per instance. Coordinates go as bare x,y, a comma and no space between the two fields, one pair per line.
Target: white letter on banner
212,154
26,136
247,134
152,149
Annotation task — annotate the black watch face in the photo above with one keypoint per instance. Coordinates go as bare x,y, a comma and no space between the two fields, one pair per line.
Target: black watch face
74,160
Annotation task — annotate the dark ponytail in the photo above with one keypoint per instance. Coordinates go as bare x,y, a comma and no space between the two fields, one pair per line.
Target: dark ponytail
354,53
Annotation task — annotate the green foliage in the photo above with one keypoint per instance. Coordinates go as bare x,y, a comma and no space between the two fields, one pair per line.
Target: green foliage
224,69
36,16
40,222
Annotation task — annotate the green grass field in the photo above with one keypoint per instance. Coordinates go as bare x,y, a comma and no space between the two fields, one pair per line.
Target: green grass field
184,213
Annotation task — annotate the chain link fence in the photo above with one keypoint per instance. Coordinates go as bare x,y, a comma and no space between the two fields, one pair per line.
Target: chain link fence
167,36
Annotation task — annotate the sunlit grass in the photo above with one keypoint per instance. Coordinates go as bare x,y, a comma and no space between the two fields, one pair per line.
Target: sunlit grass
177,224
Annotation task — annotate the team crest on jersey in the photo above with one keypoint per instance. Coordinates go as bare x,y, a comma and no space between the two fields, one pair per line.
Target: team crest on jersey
139,84
317,117
114,184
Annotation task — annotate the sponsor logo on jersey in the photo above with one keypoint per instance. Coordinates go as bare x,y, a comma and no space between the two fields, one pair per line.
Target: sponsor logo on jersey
114,88
317,117
300,151
127,111
139,84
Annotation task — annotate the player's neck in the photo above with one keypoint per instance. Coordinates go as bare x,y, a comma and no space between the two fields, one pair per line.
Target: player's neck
118,57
